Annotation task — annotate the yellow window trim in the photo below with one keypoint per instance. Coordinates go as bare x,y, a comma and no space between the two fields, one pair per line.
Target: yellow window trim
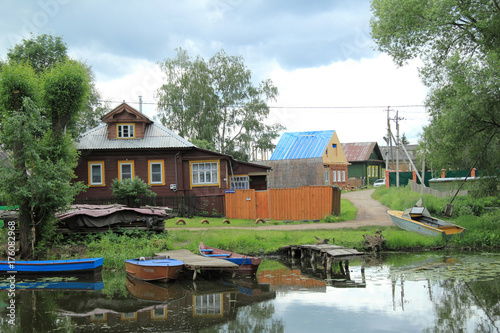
120,168
101,163
162,162
203,161
124,124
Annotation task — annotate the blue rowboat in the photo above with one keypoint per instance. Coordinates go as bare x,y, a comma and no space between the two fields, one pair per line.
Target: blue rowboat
247,265
51,266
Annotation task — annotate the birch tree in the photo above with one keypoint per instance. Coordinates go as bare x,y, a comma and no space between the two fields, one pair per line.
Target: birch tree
216,102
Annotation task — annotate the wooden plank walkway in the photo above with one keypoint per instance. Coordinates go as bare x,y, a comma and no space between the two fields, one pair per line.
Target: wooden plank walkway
194,262
335,252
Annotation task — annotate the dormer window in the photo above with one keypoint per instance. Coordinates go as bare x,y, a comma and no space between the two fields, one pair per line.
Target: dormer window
125,131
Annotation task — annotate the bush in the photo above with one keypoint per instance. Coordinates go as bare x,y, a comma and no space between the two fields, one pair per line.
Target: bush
131,190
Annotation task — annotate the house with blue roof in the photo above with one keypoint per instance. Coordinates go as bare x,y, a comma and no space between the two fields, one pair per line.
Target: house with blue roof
306,159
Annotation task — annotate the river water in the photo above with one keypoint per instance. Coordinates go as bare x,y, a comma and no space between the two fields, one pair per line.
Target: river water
431,292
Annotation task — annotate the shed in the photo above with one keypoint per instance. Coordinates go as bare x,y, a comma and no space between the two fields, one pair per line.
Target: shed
307,158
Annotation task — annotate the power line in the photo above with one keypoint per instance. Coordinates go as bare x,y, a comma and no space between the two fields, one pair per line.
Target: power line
298,107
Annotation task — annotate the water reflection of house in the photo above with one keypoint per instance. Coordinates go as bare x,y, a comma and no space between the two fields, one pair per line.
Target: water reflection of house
186,306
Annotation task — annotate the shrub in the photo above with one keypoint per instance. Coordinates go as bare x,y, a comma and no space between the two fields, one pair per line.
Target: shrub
131,190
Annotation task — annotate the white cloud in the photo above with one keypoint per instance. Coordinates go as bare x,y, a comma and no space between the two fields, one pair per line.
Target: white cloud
350,97
144,79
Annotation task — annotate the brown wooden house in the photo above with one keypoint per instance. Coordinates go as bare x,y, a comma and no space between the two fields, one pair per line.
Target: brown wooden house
129,144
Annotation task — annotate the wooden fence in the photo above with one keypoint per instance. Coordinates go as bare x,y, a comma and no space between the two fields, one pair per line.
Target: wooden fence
305,203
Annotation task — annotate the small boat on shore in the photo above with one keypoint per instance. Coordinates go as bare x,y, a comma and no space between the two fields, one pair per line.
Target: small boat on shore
247,265
419,219
154,269
42,267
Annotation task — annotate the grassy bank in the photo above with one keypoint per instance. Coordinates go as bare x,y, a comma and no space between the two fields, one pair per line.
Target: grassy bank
116,249
478,216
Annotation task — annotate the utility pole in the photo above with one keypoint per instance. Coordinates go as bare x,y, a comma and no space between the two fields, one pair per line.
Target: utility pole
397,149
388,141
398,143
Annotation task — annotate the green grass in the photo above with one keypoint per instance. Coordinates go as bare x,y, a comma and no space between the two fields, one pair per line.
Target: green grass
348,213
253,242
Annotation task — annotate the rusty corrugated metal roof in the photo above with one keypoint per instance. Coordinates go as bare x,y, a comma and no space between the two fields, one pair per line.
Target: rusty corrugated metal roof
155,136
358,151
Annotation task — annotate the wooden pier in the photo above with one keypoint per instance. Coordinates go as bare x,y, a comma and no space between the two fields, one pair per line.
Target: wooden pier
195,263
327,253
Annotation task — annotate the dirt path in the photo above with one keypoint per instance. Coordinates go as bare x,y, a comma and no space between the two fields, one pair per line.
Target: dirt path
370,213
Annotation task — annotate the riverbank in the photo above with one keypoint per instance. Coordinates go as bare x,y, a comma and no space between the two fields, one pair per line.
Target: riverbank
265,239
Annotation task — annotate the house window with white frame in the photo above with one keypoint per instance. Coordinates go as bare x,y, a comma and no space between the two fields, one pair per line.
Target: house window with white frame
96,174
156,172
125,131
204,173
126,170
240,182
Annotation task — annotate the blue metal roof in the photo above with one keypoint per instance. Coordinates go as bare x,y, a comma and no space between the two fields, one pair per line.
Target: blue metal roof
295,145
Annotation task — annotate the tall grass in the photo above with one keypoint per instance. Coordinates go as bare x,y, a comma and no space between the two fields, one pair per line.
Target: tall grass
402,198
480,217
117,248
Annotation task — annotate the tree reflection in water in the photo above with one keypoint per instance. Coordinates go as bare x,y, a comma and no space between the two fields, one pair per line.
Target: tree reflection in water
428,292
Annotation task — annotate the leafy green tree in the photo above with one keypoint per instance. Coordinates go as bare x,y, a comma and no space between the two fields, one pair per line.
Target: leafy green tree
43,52
35,110
215,101
40,52
131,190
459,44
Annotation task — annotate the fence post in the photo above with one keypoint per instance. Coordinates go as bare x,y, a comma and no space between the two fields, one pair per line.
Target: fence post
336,200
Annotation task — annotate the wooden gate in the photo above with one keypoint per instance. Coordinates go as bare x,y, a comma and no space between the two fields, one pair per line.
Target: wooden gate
305,203
240,204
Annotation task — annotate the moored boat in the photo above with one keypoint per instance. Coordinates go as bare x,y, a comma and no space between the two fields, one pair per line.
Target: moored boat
419,219
154,269
248,265
41,267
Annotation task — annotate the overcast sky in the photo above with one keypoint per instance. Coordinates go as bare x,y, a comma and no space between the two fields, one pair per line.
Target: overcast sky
319,54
